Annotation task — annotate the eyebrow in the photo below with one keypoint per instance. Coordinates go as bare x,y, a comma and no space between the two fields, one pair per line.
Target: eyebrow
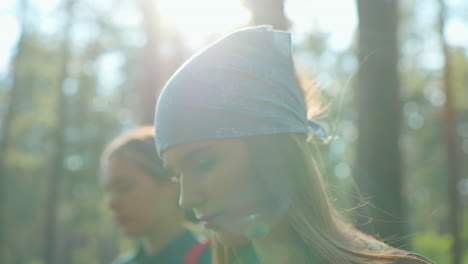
116,181
190,155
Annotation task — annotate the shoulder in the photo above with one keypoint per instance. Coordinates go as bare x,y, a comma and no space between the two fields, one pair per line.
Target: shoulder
398,256
410,258
200,253
416,259
404,259
205,257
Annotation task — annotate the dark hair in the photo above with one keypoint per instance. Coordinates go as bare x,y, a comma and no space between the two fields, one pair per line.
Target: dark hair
138,145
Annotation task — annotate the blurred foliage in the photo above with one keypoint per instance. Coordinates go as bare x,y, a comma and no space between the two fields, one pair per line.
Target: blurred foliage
437,245
105,69
433,245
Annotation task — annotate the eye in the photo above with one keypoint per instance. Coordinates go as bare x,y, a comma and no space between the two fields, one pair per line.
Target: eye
204,165
124,186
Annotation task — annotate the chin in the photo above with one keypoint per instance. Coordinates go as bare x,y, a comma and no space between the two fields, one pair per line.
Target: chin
230,239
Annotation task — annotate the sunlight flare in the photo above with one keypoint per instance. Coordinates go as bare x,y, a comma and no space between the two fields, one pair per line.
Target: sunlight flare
204,17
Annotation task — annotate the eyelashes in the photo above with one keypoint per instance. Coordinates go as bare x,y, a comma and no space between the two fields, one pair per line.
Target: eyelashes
197,168
205,165
121,188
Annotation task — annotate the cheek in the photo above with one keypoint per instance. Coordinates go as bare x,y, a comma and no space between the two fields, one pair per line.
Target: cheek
231,180
143,200
144,191
239,191
234,187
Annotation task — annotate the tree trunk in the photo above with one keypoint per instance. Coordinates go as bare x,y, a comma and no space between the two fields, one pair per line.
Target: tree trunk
453,156
58,148
5,139
156,69
269,12
151,79
10,114
379,173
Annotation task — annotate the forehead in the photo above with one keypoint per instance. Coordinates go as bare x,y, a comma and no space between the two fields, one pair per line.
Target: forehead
118,167
185,151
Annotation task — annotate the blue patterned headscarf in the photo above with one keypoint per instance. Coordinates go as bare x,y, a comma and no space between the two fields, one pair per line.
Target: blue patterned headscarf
241,85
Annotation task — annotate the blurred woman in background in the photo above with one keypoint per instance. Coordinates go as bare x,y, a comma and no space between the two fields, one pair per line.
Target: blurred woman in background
232,124
143,200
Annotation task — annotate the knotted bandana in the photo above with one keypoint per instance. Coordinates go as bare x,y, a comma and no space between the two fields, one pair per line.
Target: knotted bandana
241,85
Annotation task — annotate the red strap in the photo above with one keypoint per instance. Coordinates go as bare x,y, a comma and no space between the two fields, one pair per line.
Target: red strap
195,252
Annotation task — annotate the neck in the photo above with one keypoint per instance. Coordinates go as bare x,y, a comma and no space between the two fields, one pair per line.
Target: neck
158,238
280,246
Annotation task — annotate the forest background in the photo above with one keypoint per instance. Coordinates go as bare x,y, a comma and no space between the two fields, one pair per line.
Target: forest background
76,73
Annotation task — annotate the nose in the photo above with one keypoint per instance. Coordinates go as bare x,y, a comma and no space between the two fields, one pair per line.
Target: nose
190,196
114,203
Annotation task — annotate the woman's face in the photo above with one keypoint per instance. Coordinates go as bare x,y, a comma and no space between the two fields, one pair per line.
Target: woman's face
138,203
218,183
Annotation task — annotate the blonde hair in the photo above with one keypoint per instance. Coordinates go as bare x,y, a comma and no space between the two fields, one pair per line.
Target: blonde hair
314,220
317,225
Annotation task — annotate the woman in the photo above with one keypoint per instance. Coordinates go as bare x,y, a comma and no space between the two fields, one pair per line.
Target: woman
232,123
143,200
